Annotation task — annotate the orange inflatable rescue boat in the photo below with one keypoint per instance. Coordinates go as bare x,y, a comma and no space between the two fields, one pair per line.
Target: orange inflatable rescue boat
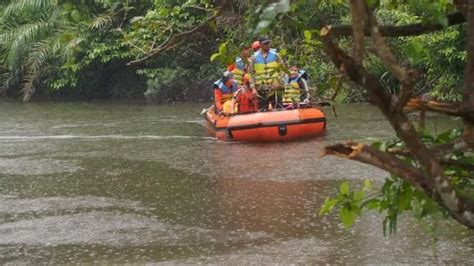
275,125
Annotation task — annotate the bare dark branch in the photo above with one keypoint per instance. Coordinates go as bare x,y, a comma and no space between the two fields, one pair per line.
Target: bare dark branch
359,18
452,109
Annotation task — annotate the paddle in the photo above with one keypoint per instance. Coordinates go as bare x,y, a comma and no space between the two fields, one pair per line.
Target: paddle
204,110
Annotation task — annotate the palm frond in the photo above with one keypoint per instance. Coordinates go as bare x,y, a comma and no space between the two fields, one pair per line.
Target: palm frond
24,37
28,89
102,22
19,6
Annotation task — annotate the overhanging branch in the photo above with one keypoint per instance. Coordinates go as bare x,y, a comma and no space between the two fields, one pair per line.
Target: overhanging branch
452,109
369,155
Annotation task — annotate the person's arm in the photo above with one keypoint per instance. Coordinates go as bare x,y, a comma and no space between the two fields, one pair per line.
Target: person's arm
281,62
254,101
251,71
305,90
234,101
218,99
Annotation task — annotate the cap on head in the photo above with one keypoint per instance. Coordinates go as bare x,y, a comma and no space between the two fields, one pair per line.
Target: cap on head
264,40
256,45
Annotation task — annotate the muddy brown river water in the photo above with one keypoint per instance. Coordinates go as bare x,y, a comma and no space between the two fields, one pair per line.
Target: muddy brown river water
118,183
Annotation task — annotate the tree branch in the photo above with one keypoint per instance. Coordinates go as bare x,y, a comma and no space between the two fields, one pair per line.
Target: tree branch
458,164
405,76
438,151
359,17
452,109
368,155
468,102
443,191
398,31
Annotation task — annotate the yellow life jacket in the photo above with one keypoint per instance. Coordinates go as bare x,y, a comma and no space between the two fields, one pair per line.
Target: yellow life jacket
267,69
239,71
292,92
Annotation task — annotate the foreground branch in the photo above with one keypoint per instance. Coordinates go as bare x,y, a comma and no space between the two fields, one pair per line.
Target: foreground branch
366,154
452,109
444,191
468,93
438,151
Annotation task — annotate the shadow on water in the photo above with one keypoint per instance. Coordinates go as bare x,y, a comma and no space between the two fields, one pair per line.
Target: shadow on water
91,186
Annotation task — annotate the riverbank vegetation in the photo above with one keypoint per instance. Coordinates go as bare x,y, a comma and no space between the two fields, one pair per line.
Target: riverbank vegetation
99,49
398,55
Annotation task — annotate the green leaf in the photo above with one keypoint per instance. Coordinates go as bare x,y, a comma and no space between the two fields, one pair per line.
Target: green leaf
372,204
359,195
367,184
404,202
328,206
344,189
347,216
223,48
307,35
214,56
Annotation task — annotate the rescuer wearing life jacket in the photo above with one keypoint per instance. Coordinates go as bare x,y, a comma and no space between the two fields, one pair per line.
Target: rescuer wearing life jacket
239,67
244,99
224,89
265,68
296,90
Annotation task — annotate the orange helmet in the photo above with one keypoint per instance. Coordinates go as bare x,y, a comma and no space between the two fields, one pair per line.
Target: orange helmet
256,45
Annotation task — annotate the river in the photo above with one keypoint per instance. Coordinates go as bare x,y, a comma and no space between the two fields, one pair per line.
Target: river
126,183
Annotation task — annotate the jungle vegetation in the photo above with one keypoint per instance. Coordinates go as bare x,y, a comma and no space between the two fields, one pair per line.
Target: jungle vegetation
400,55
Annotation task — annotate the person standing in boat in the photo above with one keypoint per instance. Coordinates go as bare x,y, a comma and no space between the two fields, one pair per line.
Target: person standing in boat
265,68
296,90
224,89
256,46
239,67
244,99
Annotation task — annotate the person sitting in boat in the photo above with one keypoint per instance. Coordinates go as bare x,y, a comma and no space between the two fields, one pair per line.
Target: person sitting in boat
224,89
265,67
244,100
296,90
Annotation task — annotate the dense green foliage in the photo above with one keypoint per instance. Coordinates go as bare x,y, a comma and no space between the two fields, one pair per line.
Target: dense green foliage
79,49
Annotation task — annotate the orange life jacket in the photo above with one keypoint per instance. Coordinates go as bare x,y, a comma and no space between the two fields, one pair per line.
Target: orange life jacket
247,102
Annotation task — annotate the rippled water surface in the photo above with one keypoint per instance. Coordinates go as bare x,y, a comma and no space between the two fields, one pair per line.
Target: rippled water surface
116,183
